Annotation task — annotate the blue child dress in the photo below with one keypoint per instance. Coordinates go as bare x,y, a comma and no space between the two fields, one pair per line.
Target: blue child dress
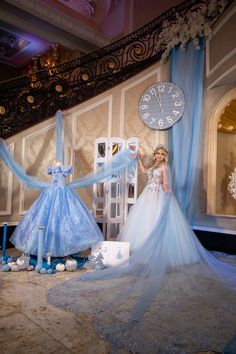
69,226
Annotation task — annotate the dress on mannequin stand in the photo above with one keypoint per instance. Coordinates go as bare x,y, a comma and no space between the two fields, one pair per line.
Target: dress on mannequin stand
69,226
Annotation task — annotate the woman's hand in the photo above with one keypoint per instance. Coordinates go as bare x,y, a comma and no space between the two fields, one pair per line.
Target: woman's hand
139,154
142,167
167,190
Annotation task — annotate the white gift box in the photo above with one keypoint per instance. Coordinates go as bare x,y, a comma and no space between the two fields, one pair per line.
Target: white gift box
111,253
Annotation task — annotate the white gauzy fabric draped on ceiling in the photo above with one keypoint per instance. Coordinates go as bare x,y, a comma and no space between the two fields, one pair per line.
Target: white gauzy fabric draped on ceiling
187,70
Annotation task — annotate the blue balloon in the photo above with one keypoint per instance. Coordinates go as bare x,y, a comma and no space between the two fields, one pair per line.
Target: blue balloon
43,271
38,268
6,268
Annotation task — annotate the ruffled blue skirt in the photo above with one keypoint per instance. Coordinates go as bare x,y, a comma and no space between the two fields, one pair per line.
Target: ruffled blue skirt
69,226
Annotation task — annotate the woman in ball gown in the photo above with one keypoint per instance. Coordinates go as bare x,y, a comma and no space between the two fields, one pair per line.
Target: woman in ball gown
144,216
69,226
169,278
146,210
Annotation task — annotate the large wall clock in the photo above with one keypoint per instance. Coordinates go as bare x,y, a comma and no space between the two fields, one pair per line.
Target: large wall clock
161,105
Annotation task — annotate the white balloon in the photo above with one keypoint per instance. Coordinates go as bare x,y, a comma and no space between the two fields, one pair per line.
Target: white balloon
71,265
60,267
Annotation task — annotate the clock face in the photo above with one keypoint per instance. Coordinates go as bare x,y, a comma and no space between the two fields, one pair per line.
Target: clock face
161,105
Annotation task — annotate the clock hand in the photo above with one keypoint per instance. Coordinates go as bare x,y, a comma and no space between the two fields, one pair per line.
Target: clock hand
158,99
159,95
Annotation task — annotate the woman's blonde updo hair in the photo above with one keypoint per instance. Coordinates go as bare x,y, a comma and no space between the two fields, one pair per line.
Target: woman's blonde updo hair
161,146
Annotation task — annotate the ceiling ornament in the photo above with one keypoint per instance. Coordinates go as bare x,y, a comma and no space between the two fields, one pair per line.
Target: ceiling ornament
66,23
192,25
87,6
10,45
109,5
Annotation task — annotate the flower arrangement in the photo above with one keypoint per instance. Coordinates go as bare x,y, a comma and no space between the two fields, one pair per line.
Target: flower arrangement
232,184
192,25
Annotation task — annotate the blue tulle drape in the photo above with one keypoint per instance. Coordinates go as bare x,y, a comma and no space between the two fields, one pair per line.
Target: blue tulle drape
186,71
59,139
29,182
123,161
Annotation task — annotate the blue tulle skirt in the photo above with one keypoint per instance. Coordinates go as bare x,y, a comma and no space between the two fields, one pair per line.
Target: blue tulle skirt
168,281
142,218
69,226
156,219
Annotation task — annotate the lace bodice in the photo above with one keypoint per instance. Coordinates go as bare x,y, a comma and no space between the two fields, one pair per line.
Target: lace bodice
59,173
155,178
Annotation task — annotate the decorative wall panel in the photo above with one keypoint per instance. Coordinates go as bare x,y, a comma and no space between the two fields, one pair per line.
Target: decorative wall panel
221,51
90,122
6,187
38,151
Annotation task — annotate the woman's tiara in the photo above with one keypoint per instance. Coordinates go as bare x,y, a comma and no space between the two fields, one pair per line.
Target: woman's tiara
161,146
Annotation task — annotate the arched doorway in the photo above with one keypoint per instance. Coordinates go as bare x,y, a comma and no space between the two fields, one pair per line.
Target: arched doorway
222,156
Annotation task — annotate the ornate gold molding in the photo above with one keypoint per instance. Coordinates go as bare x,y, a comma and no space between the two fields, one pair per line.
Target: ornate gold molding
227,122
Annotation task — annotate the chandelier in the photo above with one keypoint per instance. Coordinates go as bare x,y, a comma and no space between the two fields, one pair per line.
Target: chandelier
45,61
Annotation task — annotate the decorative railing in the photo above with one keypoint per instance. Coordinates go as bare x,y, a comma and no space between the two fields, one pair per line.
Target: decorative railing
30,99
